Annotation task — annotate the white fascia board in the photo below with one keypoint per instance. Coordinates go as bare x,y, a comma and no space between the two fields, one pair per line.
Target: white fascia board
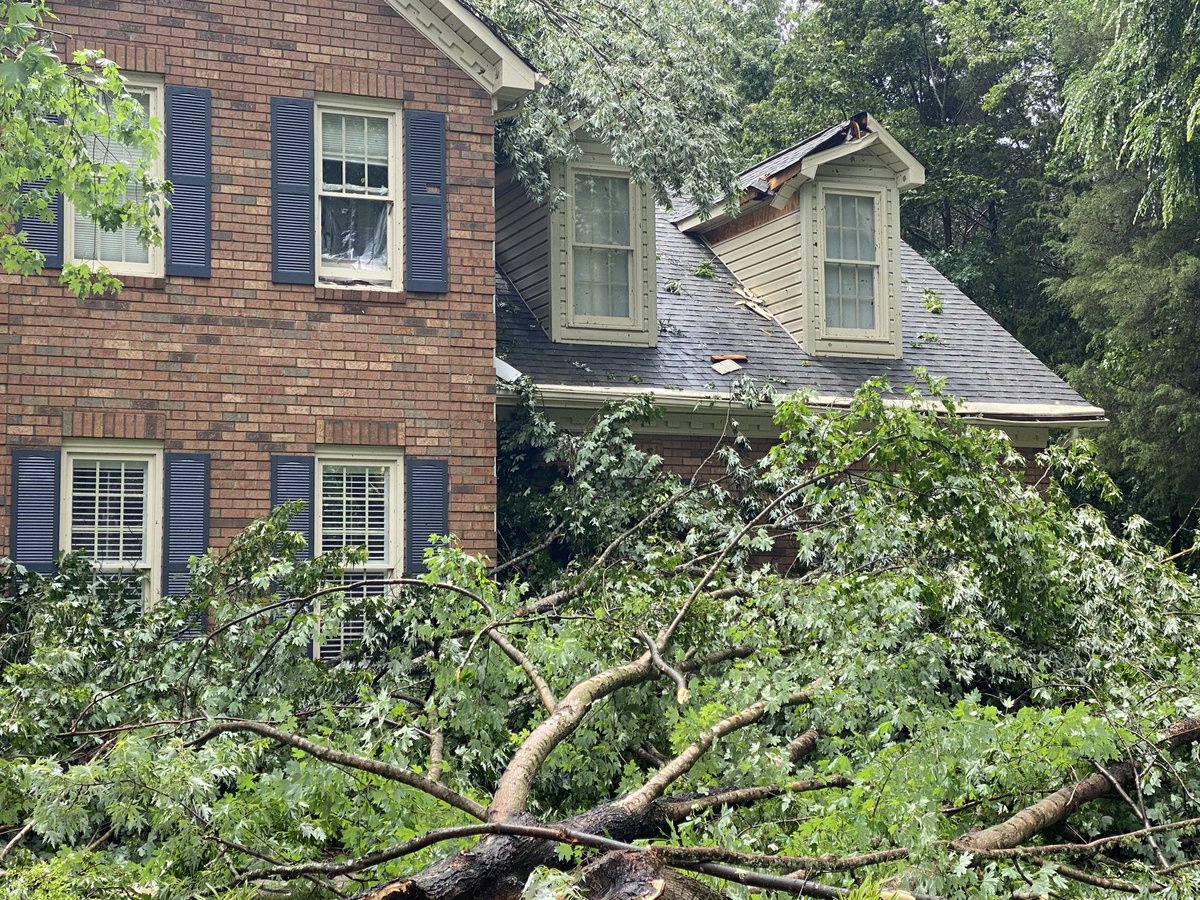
472,46
914,173
1049,414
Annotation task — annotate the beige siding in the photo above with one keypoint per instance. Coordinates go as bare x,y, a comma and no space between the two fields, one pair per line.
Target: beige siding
523,245
769,261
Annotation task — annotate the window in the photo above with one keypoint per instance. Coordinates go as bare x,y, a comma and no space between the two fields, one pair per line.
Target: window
357,506
600,256
121,251
851,261
112,512
601,248
356,196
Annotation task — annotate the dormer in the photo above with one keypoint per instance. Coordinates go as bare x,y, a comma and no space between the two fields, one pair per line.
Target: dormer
585,265
815,236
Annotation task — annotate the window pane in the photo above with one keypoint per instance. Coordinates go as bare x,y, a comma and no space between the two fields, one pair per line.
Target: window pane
849,296
354,509
122,245
601,282
355,155
602,210
354,232
849,227
108,509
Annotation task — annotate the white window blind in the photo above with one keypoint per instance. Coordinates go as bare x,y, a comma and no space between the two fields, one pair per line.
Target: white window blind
355,512
109,518
121,248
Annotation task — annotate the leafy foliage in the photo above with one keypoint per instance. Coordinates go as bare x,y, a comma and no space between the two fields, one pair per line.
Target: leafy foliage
1135,287
648,78
51,113
942,645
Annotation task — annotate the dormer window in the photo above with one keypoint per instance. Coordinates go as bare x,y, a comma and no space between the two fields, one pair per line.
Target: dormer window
854,301
601,250
586,266
851,261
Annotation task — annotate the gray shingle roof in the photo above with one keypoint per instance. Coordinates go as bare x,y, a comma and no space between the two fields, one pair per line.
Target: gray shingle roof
981,362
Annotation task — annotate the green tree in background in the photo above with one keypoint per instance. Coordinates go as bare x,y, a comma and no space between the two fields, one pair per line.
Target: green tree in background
1138,106
1135,288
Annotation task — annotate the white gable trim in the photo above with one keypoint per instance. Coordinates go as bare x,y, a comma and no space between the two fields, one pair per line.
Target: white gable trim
471,45
910,175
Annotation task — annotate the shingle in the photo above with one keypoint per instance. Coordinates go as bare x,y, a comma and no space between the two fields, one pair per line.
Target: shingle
980,361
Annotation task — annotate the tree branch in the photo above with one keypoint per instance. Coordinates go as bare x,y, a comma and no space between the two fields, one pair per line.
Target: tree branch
1058,806
681,688
527,666
681,764
349,760
747,796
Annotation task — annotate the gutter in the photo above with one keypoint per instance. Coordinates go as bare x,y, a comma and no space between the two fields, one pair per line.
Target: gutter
1044,415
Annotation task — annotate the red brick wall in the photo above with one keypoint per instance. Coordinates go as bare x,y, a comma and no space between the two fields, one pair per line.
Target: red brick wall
235,365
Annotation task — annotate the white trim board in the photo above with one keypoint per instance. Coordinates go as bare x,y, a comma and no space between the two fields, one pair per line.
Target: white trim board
472,46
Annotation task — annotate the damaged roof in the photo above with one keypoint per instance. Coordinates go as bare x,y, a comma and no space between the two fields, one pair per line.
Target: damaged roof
756,181
981,362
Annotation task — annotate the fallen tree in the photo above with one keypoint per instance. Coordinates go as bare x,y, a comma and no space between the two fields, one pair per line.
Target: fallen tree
952,684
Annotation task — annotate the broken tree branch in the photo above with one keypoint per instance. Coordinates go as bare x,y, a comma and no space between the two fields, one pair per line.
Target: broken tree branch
682,764
521,659
1058,806
681,689
349,760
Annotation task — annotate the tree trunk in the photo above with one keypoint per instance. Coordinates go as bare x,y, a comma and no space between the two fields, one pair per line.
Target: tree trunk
496,868
621,875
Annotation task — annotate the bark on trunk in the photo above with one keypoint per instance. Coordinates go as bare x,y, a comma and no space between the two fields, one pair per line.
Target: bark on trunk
496,868
634,876
1059,805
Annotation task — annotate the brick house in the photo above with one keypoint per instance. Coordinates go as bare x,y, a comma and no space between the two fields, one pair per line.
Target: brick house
343,263
317,332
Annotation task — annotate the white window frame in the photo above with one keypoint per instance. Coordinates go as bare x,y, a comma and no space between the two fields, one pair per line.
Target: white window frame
634,319
342,276
154,266
150,567
393,461
882,301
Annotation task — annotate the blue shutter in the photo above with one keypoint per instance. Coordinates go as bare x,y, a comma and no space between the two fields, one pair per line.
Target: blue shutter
35,509
427,508
44,236
427,266
189,169
293,235
185,517
294,478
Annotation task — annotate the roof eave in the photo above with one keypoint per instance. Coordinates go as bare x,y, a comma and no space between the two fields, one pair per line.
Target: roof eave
1048,415
470,43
